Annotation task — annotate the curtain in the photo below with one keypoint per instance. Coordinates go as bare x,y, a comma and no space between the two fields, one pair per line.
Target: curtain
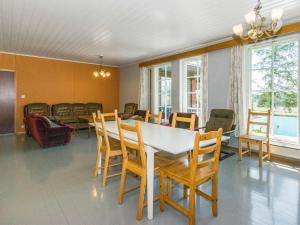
237,99
204,91
143,90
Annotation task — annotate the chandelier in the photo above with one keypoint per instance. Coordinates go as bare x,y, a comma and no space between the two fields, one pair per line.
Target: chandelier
259,27
101,72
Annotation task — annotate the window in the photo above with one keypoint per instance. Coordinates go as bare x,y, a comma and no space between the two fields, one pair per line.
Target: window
192,75
274,85
164,90
160,89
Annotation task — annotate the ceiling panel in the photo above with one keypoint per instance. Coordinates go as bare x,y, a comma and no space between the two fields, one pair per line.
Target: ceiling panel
123,31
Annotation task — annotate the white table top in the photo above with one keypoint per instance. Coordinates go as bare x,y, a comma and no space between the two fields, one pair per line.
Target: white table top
159,137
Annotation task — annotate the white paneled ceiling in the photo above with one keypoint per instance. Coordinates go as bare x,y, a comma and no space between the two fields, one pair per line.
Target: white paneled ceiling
123,31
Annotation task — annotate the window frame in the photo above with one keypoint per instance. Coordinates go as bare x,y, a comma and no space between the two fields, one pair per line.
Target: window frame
248,69
154,92
183,80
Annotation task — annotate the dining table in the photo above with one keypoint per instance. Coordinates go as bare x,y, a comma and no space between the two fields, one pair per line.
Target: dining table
157,138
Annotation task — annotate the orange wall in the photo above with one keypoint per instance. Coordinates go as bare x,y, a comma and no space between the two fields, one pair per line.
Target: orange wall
55,81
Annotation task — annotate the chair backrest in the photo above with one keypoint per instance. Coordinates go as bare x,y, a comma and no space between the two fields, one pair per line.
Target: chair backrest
220,118
136,146
154,116
191,120
260,115
210,154
130,108
101,131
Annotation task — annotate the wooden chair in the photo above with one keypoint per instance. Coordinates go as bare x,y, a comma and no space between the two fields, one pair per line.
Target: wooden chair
259,140
105,146
136,165
194,174
150,115
190,120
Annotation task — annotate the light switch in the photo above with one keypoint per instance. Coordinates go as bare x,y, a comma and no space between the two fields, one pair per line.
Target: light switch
23,96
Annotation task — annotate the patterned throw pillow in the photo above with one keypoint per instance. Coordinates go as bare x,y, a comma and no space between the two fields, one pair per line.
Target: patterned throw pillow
51,123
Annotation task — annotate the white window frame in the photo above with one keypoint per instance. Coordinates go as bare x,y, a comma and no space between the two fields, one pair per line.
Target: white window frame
154,95
276,141
185,93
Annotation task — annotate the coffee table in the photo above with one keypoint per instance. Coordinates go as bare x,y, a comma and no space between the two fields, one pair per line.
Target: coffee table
86,119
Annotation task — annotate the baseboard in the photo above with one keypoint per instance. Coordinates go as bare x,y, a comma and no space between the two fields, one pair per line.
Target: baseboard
277,158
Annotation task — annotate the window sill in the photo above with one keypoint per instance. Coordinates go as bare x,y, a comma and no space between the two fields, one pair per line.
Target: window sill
285,143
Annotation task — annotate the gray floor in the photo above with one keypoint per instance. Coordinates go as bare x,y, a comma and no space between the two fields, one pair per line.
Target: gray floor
55,186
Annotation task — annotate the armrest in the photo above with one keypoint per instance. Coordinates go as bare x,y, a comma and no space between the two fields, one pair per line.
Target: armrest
229,132
199,128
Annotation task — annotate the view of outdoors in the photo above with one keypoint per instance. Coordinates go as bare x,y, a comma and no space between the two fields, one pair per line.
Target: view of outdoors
274,86
193,79
164,91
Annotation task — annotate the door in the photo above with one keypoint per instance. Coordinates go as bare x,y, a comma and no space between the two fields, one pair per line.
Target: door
7,102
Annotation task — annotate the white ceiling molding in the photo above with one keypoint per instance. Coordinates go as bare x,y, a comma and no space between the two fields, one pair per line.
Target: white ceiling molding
58,59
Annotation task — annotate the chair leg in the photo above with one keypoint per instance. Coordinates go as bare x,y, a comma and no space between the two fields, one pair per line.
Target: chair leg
214,191
249,148
104,175
240,150
98,159
141,198
185,190
192,218
162,192
169,191
122,184
268,150
260,154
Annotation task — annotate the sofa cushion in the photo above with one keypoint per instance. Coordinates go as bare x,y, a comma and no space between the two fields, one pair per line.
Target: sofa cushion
63,112
37,108
93,107
79,109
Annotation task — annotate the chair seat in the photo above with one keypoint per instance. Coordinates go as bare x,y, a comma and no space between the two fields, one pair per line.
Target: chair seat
158,163
253,137
175,158
181,173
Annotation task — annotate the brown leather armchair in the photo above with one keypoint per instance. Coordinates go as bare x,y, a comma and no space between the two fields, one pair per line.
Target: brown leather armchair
129,110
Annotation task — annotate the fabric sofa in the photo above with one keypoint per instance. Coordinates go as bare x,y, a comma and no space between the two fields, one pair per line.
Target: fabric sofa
47,133
64,113
68,113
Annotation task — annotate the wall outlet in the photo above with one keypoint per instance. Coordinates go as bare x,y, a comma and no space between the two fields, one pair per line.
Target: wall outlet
23,96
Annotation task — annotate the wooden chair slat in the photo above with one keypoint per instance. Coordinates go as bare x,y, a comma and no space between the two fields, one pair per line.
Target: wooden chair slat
190,120
151,115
